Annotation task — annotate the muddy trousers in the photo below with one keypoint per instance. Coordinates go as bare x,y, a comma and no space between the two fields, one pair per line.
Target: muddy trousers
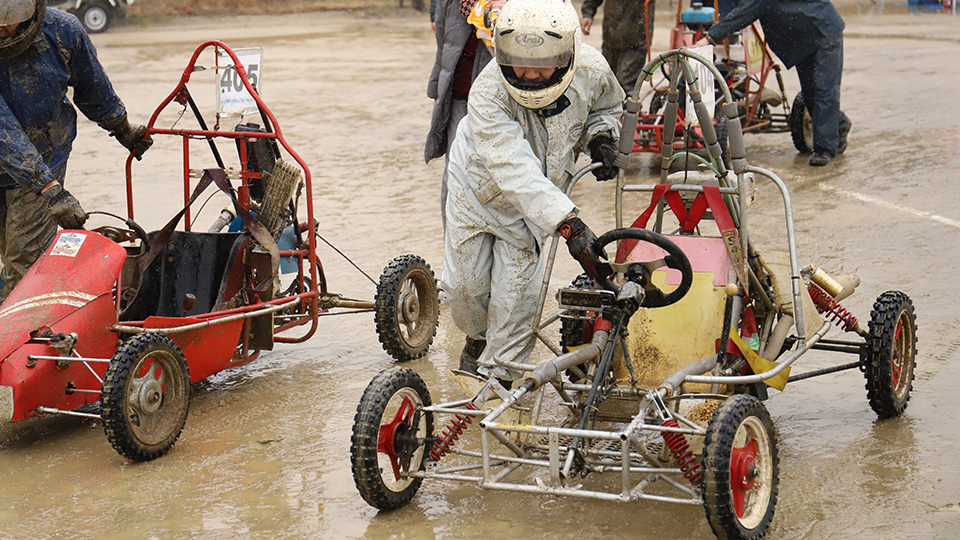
493,289
626,65
820,75
26,229
458,109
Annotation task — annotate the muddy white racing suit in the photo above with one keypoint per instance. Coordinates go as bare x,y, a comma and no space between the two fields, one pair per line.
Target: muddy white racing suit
503,201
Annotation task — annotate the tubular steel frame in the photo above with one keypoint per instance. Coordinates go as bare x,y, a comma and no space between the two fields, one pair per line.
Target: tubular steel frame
519,441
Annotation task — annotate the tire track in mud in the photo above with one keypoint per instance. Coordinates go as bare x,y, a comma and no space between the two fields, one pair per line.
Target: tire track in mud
929,367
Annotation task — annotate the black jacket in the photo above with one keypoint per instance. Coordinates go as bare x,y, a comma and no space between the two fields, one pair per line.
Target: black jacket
794,29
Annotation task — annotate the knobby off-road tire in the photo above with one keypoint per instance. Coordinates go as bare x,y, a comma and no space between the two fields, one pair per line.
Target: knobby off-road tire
801,126
407,308
722,131
392,397
891,353
146,396
741,469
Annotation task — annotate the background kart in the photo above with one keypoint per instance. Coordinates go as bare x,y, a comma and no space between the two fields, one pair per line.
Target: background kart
747,69
130,319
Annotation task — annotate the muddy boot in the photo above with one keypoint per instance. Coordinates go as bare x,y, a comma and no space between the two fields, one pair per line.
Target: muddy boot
470,354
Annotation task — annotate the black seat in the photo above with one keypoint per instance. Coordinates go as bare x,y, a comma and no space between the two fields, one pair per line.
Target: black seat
191,263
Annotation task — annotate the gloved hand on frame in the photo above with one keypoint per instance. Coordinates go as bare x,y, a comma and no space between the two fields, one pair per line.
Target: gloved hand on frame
583,247
132,138
603,149
65,208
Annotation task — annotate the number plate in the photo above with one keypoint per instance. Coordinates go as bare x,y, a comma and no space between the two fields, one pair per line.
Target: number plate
232,95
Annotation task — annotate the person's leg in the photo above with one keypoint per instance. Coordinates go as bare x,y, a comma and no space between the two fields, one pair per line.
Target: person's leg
3,241
458,109
513,303
28,230
827,69
631,62
467,267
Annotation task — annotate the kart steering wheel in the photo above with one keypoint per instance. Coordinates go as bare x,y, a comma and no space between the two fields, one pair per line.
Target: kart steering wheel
123,235
675,259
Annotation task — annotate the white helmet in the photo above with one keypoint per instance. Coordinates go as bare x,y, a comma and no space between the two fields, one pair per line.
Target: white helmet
16,11
28,14
537,34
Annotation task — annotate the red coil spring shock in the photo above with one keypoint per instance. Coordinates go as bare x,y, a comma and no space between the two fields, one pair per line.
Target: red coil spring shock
832,310
443,444
678,446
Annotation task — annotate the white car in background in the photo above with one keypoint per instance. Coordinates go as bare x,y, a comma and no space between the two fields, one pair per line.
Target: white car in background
96,15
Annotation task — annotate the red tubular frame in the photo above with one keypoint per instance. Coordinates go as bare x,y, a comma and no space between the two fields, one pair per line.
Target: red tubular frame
311,297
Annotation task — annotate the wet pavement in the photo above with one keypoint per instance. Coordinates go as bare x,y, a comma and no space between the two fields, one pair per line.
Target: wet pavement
265,451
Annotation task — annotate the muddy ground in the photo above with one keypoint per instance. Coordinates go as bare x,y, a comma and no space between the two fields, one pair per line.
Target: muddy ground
265,452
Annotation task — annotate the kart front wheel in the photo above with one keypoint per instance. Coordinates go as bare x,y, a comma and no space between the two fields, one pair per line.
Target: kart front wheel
801,126
407,308
390,433
146,395
891,353
741,469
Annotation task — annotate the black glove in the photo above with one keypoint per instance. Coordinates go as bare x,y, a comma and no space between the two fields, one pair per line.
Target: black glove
65,208
604,150
583,247
132,138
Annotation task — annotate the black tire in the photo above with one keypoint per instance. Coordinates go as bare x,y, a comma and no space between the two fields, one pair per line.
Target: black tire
891,354
741,510
95,17
384,403
722,141
801,126
407,308
144,409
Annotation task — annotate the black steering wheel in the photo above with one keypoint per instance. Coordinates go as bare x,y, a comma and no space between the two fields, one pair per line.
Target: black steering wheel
675,259
134,231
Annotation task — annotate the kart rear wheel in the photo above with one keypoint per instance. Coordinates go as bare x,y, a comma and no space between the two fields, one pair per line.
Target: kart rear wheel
741,469
407,308
891,354
146,395
801,126
389,438
722,141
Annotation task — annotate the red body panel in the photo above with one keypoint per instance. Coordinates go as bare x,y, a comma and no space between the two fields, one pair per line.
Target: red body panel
70,290
207,349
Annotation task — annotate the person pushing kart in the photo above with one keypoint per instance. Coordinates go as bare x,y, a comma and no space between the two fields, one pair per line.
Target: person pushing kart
544,99
43,52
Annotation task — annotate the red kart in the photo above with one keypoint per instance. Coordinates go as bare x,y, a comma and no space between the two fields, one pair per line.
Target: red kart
130,319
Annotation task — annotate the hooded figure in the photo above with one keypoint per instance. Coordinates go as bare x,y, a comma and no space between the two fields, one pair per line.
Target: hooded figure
42,54
546,98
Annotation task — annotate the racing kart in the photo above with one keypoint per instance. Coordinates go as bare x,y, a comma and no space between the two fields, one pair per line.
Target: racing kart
129,319
656,389
747,69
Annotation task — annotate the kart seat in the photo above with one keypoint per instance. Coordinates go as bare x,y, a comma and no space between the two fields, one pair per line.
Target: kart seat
192,263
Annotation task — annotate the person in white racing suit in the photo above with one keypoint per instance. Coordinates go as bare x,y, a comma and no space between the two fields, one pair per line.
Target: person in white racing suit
546,98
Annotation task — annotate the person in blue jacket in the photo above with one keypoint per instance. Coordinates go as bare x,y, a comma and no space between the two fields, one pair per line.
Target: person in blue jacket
807,34
43,52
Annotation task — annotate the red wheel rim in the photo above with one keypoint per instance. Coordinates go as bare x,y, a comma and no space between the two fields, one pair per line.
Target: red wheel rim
388,432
